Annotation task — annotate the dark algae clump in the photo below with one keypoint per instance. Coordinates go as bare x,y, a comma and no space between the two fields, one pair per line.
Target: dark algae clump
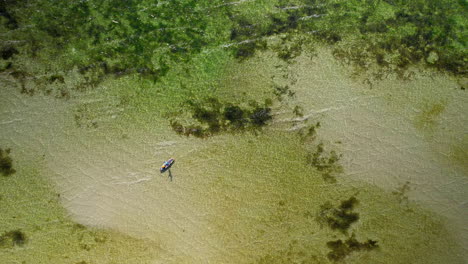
12,238
11,22
260,116
8,52
326,163
6,163
213,116
341,249
339,218
280,91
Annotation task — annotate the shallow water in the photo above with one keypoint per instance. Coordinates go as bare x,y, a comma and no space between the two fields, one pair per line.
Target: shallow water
243,198
387,136
87,187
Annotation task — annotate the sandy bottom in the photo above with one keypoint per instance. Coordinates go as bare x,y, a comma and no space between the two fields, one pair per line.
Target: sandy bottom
395,133
221,206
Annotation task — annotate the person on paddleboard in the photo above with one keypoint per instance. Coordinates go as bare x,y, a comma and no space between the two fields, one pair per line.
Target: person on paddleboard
167,165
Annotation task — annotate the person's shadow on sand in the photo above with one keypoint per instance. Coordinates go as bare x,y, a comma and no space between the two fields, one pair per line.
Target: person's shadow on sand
170,174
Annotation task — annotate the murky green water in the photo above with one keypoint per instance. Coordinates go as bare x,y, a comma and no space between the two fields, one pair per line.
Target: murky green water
355,163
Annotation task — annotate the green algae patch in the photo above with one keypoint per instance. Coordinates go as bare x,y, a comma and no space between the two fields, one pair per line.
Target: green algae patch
36,229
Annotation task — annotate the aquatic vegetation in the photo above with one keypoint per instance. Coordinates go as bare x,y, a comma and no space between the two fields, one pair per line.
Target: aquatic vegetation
260,116
298,111
11,22
309,133
89,240
339,218
8,52
85,42
6,163
84,117
395,34
127,37
252,33
289,47
55,83
73,46
55,77
248,49
12,238
429,115
279,91
326,164
341,249
402,192
247,40
234,115
389,34
214,117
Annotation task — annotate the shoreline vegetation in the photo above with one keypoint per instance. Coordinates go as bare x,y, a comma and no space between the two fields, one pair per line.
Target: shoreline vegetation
107,38
172,61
